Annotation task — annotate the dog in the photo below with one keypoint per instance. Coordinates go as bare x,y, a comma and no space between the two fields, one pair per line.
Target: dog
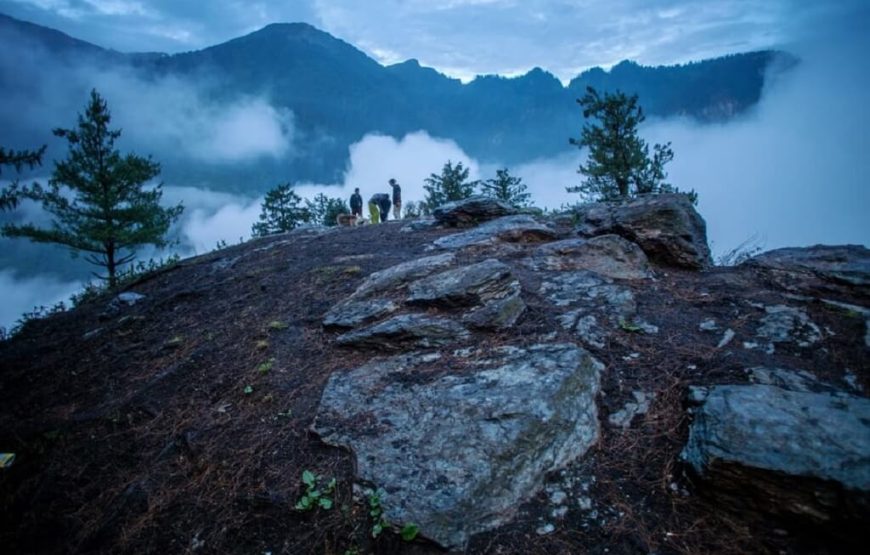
347,220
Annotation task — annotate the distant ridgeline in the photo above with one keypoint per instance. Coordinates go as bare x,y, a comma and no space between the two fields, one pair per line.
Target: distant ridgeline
338,95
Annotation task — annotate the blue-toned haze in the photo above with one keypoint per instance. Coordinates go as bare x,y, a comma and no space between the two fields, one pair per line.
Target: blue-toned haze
793,170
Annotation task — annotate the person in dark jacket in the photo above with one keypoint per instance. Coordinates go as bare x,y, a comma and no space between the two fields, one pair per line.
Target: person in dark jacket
383,200
397,199
356,203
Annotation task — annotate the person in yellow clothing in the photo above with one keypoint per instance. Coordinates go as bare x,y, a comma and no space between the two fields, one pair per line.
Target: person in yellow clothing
374,211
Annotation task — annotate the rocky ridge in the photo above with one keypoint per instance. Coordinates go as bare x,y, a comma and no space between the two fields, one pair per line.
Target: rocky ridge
505,382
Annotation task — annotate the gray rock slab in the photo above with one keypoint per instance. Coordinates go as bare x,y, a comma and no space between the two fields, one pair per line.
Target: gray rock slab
460,453
639,406
475,284
513,229
405,332
768,449
569,288
472,211
793,380
608,255
667,227
352,313
497,314
397,276
848,264
787,324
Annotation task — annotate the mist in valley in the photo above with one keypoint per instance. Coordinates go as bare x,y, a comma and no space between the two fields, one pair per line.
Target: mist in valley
792,171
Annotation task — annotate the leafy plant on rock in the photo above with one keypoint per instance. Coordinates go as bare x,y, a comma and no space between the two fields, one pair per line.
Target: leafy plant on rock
316,493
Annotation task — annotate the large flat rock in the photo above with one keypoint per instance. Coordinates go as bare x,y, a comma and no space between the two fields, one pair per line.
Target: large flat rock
770,450
475,284
608,255
848,264
472,211
405,332
511,229
457,454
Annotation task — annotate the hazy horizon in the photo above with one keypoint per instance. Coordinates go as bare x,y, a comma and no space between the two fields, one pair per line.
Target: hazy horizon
792,171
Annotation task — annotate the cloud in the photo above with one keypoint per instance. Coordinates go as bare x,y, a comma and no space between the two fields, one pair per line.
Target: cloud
174,117
23,294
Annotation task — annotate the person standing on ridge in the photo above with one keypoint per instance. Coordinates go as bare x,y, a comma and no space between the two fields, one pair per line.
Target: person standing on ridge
383,200
374,210
356,203
397,199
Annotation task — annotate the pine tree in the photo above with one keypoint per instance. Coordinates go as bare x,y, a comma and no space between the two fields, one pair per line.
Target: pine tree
451,185
619,165
97,197
17,159
507,188
282,211
324,210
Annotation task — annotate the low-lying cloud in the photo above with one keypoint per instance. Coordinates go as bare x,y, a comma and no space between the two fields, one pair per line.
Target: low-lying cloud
23,294
168,116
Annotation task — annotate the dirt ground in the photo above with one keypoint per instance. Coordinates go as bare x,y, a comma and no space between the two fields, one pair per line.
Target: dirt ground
181,424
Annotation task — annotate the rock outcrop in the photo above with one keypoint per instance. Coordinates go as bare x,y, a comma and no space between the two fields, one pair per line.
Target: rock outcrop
509,229
666,227
463,387
769,450
848,264
458,453
472,211
607,255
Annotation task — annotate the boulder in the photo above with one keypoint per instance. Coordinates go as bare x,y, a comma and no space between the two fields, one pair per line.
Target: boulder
476,284
472,211
513,229
768,450
405,332
667,227
397,276
459,453
846,264
608,255
355,312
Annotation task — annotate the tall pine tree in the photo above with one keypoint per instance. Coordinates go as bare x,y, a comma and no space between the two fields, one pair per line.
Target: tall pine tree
507,188
16,159
619,165
97,197
282,210
451,185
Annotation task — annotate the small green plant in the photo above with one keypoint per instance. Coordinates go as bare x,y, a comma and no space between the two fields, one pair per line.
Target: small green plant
265,367
410,531
630,327
262,344
313,496
376,511
248,390
277,325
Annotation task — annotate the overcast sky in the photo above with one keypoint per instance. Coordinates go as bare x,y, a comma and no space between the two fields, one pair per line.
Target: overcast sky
459,37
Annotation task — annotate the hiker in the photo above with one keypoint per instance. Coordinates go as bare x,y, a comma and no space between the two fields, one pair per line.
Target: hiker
356,203
384,205
397,199
374,210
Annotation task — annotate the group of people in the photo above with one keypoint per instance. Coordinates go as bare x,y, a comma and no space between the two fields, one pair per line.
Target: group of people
379,204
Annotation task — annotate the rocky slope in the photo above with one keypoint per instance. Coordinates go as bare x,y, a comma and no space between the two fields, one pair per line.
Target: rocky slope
505,383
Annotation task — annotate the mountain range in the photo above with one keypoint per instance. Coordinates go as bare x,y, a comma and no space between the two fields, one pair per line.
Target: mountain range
331,95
